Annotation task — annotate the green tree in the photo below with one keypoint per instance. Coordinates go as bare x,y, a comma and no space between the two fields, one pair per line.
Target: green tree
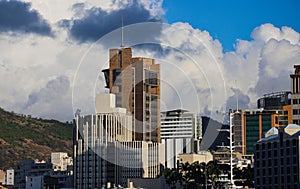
172,176
244,177
213,171
197,175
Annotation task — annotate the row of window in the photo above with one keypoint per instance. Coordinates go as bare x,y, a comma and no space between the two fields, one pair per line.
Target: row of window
264,181
282,153
296,122
275,162
270,145
296,101
296,111
166,119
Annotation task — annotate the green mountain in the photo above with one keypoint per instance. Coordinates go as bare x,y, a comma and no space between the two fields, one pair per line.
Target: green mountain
23,137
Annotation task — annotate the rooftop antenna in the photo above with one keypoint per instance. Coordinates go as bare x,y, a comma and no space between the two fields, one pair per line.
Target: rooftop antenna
237,97
122,30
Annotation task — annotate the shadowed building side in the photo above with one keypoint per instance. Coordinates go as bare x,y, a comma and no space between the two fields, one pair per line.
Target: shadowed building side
136,84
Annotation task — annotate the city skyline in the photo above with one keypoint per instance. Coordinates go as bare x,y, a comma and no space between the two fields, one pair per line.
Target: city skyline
59,37
151,87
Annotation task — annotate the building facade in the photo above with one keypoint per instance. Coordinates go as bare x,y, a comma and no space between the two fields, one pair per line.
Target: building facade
139,159
202,156
180,134
295,83
95,138
279,102
121,140
2,177
277,158
238,130
274,110
136,84
61,161
9,177
29,168
41,174
250,126
104,150
255,124
34,182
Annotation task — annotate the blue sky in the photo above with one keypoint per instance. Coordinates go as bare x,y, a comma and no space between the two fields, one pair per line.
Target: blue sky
234,19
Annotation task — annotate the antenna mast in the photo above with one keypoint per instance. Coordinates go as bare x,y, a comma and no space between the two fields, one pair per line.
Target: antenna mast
237,97
122,30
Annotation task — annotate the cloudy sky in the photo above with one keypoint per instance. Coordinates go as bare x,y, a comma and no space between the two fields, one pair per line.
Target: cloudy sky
52,52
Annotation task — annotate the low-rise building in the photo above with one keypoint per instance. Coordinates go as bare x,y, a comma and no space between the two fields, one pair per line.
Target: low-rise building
277,156
60,161
222,155
202,156
27,168
43,174
2,177
9,177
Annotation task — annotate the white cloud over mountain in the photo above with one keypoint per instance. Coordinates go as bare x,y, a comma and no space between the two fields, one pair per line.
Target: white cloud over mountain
39,72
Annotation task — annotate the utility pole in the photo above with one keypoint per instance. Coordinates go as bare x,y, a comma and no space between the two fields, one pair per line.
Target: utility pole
231,117
231,146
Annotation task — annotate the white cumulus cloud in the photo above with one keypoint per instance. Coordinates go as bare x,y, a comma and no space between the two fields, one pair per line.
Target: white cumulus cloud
39,72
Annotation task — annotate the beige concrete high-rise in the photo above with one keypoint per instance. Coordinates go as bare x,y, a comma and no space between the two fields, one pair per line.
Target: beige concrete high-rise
136,84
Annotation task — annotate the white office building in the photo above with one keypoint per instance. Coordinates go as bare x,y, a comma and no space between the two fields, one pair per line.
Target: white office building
180,134
95,151
104,150
60,161
9,177
139,159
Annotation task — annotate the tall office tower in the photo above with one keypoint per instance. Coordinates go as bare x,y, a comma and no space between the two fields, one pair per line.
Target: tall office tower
277,159
295,83
249,127
237,129
96,140
136,84
180,131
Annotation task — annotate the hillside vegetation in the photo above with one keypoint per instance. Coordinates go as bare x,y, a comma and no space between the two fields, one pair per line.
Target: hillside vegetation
23,137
